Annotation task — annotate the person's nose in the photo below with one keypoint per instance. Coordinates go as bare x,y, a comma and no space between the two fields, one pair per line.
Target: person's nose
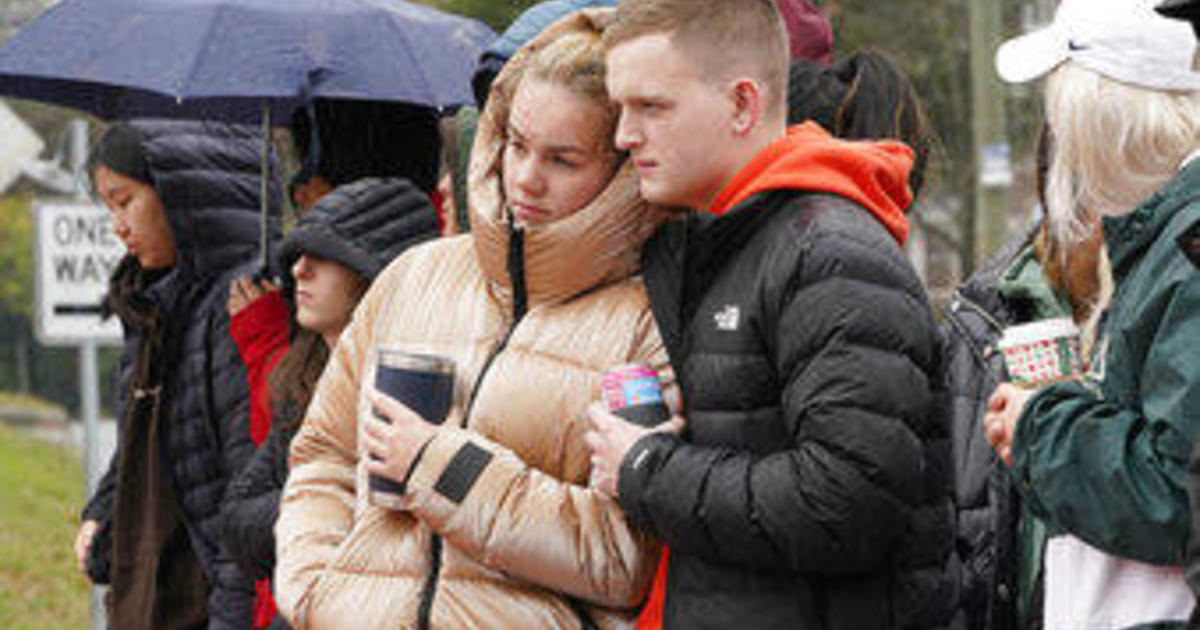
628,134
302,268
528,177
121,228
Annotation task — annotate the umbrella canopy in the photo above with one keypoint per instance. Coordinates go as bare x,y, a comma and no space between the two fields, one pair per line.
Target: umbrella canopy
240,60
225,58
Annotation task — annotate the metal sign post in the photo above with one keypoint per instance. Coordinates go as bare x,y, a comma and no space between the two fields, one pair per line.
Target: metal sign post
92,465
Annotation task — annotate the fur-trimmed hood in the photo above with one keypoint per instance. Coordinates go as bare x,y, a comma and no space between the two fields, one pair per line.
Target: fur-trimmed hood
597,245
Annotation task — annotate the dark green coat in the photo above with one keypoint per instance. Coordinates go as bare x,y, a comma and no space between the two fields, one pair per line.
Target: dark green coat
1106,460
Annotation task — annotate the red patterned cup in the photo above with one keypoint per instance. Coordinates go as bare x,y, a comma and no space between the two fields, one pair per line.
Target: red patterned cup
1041,352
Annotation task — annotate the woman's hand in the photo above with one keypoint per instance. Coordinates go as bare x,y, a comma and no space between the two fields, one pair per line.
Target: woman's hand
83,543
392,448
244,291
1000,422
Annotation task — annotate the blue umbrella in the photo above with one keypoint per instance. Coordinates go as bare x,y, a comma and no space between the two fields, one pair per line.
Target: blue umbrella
225,58
237,60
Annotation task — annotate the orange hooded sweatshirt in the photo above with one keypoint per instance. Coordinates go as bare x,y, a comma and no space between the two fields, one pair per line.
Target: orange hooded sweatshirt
873,174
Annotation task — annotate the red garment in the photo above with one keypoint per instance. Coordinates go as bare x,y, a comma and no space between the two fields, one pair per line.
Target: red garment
871,173
261,333
439,208
651,617
810,35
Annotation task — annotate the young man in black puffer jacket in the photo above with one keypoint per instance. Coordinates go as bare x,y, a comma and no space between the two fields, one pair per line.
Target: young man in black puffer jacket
812,487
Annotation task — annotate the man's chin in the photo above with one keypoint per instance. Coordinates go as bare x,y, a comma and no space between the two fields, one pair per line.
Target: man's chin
658,194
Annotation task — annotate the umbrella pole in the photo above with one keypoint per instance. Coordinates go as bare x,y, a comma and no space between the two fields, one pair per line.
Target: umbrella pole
264,215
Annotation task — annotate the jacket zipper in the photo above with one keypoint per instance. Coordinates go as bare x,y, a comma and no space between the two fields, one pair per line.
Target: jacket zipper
981,354
516,272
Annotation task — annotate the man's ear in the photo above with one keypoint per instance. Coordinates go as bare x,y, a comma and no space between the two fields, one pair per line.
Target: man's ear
746,96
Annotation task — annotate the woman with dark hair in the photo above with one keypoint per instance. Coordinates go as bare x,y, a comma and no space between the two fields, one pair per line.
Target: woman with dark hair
864,97
340,141
184,198
331,258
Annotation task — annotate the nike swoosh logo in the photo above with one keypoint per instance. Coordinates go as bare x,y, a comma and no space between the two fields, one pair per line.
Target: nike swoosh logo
1076,47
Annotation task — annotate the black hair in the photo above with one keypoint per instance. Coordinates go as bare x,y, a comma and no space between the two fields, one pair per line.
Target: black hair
358,139
120,149
865,96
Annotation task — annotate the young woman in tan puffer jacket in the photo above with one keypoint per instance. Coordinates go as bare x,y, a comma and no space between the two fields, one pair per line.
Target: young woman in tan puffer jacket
499,527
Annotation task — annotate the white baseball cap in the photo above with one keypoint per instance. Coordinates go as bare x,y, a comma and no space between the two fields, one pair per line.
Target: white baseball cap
1124,40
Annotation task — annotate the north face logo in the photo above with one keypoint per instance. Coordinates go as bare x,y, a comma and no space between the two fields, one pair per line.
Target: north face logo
727,318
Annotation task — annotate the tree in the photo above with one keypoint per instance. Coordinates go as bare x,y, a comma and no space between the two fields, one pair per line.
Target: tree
16,290
496,14
16,256
930,41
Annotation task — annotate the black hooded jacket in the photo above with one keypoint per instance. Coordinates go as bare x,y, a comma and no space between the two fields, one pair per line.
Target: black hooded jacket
986,500
208,177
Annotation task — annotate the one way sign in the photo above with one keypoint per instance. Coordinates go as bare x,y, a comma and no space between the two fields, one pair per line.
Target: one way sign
76,253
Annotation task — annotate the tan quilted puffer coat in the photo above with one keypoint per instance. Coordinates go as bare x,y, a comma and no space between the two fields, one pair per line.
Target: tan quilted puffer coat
520,542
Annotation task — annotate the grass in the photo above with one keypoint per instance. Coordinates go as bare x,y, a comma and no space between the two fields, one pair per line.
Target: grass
30,402
41,493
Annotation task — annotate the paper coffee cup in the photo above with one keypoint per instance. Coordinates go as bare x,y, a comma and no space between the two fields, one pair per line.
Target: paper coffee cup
1041,352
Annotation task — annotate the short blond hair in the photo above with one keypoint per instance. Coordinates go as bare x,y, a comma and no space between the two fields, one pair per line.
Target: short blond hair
718,35
1114,145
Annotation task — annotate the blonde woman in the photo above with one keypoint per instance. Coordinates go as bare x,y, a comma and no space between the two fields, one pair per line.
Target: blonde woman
499,528
1103,459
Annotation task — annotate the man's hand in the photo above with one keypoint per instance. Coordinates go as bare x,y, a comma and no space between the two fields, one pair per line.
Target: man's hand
1000,421
610,439
83,543
393,447
244,291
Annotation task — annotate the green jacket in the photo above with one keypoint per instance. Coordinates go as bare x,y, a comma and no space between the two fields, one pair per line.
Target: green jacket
1106,459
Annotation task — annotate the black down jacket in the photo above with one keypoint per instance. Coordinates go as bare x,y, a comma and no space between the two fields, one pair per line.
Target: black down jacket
208,177
987,500
812,487
252,507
